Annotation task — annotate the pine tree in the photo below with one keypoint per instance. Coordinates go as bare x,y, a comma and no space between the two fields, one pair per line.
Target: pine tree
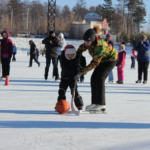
108,11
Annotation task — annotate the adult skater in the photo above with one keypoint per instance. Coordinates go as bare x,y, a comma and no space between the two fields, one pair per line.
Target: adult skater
6,53
143,58
104,59
109,41
60,49
52,44
14,52
33,53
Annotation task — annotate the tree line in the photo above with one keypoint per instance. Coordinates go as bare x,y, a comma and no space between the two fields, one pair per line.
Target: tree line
125,19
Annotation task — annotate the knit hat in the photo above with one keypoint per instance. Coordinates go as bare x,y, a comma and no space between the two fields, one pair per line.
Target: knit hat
51,32
108,35
144,37
89,35
70,49
62,35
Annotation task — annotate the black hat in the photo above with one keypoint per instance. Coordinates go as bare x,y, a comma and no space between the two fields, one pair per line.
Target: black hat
89,35
51,32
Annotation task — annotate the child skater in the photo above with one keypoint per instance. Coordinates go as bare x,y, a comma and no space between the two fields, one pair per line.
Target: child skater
69,67
121,63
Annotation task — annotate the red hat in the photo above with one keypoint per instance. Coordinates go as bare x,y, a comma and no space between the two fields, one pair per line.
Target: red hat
70,49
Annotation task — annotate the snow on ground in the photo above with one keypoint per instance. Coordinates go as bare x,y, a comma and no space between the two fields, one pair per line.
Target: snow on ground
28,120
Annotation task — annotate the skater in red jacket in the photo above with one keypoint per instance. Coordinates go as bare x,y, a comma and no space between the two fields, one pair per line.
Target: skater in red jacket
121,63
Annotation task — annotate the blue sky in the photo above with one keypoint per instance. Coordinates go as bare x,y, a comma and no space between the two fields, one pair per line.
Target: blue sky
71,3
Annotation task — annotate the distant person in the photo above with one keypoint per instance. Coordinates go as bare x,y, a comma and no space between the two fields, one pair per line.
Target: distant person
143,58
33,54
60,49
121,63
109,41
0,60
52,44
133,57
6,53
38,53
14,52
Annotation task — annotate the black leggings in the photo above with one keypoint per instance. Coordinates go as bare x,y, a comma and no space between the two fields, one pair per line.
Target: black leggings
5,66
98,82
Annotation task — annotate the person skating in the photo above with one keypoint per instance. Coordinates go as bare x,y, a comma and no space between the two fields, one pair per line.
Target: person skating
60,49
133,57
143,58
109,41
104,60
121,63
0,60
14,52
52,44
33,54
69,67
6,53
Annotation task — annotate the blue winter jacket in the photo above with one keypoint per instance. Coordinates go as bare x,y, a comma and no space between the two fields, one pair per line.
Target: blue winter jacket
143,51
14,49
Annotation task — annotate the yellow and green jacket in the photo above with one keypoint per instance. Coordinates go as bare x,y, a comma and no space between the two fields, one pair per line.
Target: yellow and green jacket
100,52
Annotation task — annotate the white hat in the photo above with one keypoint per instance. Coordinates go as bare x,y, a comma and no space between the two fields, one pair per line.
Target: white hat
70,49
62,35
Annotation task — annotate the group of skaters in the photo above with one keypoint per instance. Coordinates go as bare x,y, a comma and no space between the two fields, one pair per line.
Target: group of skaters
104,58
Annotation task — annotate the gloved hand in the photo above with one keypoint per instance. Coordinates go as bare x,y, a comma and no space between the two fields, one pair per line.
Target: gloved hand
78,75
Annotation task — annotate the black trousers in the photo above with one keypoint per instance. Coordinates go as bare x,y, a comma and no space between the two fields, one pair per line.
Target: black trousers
69,81
58,59
5,66
132,62
48,62
35,59
14,58
143,68
98,82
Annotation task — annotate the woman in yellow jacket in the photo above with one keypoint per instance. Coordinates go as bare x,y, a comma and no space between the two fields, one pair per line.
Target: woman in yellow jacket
104,59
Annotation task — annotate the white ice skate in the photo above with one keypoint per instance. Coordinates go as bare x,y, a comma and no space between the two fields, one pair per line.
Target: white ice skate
98,109
89,107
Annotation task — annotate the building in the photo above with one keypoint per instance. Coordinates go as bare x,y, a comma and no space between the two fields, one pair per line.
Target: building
91,20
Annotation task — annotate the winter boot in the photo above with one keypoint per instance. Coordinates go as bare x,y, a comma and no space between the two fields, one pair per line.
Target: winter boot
89,107
98,108
144,82
138,81
119,82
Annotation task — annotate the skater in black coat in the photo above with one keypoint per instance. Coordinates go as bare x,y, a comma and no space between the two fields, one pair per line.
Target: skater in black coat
69,67
51,44
33,53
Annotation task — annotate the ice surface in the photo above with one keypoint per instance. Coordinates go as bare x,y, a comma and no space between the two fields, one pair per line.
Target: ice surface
28,120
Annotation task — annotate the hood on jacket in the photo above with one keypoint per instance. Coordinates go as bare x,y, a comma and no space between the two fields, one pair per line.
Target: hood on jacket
61,35
7,32
50,33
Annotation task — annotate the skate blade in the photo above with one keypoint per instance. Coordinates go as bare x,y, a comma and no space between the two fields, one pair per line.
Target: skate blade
98,112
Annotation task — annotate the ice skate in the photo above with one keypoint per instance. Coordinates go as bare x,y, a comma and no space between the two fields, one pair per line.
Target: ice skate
98,109
144,82
57,79
111,82
89,107
138,81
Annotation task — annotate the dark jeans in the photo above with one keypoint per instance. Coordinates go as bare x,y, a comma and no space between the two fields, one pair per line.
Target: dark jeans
132,62
58,59
35,59
69,81
14,58
5,66
48,62
98,82
143,68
